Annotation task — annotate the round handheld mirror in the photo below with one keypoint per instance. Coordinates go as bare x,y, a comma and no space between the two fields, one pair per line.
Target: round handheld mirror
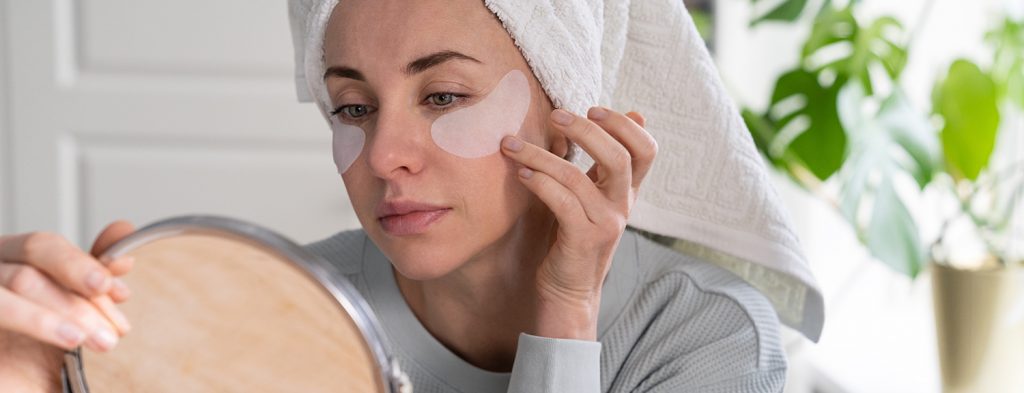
220,305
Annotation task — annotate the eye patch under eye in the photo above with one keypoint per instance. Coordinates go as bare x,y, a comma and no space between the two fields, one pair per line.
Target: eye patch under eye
347,143
471,132
476,131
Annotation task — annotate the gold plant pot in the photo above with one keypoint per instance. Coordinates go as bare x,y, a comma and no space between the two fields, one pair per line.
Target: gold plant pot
979,322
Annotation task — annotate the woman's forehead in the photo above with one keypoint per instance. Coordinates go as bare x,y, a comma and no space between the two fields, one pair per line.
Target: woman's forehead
365,33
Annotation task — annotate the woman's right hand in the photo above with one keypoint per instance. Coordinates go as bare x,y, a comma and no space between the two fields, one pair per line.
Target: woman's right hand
55,297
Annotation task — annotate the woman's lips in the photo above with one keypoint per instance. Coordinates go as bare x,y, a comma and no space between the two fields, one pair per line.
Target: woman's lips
401,219
411,223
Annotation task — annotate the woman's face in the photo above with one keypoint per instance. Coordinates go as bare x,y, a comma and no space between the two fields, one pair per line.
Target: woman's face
394,67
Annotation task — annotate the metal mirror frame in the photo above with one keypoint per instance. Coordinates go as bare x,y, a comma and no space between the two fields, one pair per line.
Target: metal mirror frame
316,268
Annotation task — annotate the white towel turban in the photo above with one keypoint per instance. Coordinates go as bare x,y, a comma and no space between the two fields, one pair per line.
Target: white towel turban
708,187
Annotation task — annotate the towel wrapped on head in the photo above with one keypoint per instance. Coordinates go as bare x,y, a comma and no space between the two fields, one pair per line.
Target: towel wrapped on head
708,190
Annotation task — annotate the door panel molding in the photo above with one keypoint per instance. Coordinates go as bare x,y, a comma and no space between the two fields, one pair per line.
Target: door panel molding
115,113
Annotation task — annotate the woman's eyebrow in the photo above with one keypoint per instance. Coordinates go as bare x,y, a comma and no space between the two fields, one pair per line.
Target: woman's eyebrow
416,66
436,58
344,72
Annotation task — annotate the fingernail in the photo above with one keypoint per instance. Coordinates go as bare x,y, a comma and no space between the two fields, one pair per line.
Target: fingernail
512,143
119,320
119,289
597,113
104,339
561,116
70,334
525,173
96,281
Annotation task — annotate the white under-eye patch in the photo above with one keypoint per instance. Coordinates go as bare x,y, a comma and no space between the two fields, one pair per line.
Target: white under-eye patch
477,130
347,143
470,132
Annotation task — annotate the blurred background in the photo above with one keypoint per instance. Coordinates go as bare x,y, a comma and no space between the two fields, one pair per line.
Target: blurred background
894,130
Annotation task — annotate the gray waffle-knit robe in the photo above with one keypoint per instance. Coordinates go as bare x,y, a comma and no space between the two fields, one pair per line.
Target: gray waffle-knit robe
668,323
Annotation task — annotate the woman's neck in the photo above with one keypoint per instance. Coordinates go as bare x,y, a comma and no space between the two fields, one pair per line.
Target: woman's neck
479,310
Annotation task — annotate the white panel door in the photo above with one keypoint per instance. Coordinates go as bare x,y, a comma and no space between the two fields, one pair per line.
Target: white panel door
144,109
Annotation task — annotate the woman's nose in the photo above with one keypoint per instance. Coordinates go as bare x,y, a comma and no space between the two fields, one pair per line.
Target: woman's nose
397,145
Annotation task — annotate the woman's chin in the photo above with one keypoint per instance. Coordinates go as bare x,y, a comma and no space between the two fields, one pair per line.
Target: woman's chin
421,261
423,269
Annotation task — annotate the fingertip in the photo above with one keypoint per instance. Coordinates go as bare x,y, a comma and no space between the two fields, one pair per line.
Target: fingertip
118,229
120,266
115,318
525,173
69,335
119,291
102,340
562,117
637,117
113,233
123,225
597,113
512,143
98,282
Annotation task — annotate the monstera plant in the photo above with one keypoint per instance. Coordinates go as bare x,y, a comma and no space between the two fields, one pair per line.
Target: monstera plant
840,126
840,116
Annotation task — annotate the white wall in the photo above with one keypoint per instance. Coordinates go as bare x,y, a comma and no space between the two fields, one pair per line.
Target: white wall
145,109
4,154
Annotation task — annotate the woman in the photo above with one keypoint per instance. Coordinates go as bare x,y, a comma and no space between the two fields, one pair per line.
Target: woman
492,268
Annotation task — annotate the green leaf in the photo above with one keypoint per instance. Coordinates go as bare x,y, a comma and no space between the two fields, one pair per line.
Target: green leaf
866,46
762,132
1014,85
874,44
862,159
892,236
1008,63
702,20
787,11
820,143
967,102
895,138
830,27
854,184
853,176
908,128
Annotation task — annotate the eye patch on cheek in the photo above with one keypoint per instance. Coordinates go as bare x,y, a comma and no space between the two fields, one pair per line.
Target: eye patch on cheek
470,132
477,130
347,143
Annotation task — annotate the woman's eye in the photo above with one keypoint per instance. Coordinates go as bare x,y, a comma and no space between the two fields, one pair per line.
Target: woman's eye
352,111
442,99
